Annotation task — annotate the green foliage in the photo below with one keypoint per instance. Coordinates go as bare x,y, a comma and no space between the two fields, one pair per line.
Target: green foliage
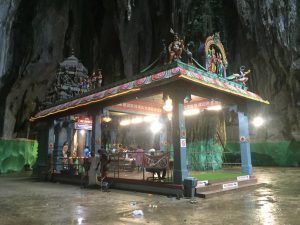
15,154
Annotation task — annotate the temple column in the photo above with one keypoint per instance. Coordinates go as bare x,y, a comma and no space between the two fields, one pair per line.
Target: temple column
163,134
180,171
113,137
70,133
45,145
244,143
57,152
51,140
96,132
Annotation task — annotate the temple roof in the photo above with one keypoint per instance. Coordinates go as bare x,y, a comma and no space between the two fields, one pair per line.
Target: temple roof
170,73
73,62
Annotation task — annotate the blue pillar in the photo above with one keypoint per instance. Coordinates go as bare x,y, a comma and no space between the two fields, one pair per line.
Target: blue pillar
96,132
70,132
179,139
244,143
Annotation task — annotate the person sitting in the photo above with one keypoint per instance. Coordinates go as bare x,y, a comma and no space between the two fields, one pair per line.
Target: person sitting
151,151
114,149
104,161
86,152
93,171
139,157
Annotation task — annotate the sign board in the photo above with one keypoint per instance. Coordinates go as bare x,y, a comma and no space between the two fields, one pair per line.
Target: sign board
231,185
202,183
83,124
182,143
241,178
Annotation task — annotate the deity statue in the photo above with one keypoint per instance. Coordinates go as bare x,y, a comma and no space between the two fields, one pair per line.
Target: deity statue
175,48
212,60
220,65
99,78
241,77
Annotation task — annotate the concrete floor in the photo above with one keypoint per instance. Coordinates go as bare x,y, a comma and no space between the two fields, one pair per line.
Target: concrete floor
26,201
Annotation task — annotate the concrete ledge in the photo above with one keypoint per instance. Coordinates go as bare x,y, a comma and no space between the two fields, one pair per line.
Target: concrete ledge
163,188
209,194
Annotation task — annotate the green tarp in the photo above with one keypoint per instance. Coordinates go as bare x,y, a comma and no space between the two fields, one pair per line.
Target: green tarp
17,153
204,155
268,154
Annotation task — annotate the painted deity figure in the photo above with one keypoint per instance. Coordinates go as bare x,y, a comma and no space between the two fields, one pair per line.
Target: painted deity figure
212,60
175,48
241,77
99,78
220,65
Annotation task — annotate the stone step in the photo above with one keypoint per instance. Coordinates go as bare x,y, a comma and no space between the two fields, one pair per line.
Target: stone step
218,185
213,193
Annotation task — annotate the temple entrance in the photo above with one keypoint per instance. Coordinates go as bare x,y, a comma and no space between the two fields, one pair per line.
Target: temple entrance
158,126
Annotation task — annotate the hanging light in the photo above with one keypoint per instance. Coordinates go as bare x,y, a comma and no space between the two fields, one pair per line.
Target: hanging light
168,107
106,117
258,121
191,112
125,122
150,119
214,108
137,120
156,127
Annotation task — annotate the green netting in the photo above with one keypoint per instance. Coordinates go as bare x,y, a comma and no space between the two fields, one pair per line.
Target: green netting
205,136
204,155
16,153
268,154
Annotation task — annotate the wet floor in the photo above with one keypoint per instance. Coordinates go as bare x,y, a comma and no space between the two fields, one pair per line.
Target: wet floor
26,201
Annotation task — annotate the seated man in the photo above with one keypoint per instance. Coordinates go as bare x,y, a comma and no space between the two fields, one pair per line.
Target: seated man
139,157
104,161
157,164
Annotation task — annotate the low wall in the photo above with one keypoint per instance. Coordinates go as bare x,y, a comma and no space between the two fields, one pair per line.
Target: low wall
16,153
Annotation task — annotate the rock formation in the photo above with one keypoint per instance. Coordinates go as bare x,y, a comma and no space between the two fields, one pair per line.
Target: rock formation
122,37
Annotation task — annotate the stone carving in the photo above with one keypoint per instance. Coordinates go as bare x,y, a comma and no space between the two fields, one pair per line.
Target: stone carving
175,48
71,80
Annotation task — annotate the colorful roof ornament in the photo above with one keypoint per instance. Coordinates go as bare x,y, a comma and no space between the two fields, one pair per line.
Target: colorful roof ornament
216,61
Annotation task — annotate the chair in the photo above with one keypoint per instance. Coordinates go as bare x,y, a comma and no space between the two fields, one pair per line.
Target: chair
156,164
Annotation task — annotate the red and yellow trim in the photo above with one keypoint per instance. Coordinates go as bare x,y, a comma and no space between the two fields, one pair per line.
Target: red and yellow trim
32,119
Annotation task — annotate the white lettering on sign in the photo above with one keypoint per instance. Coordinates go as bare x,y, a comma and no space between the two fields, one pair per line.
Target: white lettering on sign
201,183
231,185
182,143
241,178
